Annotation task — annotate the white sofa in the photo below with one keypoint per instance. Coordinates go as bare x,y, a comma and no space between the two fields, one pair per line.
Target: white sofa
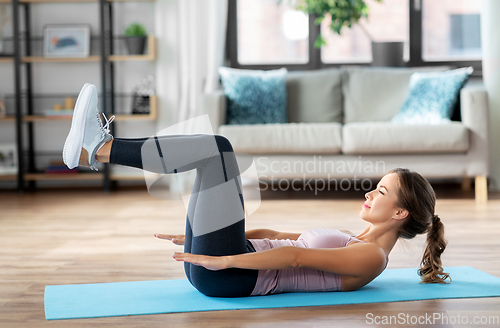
340,128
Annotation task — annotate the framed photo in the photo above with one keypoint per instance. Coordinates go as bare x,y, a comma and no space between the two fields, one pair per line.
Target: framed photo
8,159
66,41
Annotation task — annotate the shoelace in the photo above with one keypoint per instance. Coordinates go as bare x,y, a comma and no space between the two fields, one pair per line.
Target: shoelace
105,128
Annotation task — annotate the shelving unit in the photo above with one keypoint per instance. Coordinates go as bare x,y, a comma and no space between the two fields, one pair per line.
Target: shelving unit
8,119
26,117
151,53
39,59
135,117
7,59
8,177
64,177
45,1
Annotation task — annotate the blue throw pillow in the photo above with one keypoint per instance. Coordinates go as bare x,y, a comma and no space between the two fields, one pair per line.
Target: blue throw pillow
432,97
254,97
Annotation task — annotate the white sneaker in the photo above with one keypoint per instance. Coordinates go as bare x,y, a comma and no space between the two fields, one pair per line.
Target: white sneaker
87,134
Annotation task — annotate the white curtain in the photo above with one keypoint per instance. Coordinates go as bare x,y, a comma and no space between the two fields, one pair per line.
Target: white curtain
202,37
201,42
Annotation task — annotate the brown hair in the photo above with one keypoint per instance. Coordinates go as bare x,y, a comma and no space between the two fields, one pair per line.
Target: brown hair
416,195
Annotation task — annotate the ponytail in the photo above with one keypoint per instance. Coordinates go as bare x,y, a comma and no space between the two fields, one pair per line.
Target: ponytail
415,194
431,269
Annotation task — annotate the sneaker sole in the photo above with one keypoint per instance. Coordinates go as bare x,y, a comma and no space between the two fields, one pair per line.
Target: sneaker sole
74,141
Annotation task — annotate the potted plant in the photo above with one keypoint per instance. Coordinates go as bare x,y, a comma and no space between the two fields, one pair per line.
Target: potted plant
135,38
346,13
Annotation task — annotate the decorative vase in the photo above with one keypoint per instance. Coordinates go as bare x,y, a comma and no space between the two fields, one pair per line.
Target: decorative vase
388,54
135,44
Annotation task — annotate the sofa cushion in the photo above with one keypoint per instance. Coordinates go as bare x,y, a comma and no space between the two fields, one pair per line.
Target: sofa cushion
254,97
376,93
315,96
392,138
292,138
432,96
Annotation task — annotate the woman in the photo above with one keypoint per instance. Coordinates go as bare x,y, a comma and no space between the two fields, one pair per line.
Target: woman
221,259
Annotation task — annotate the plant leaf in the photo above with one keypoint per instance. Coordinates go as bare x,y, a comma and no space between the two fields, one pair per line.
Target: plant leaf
320,41
319,19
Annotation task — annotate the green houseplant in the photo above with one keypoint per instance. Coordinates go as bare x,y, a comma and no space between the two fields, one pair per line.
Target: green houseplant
343,13
135,38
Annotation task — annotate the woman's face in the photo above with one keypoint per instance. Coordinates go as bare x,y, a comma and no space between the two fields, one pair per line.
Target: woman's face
381,203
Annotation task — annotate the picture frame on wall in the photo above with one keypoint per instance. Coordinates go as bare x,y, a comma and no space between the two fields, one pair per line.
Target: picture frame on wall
66,41
8,158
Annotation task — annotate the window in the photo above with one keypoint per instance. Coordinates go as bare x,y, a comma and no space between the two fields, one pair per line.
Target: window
270,32
451,30
267,34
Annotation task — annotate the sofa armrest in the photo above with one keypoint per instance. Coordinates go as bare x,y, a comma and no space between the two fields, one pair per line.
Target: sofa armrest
475,116
214,104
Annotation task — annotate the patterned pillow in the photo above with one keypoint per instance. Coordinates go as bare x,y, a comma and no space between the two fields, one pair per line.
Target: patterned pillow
432,97
254,97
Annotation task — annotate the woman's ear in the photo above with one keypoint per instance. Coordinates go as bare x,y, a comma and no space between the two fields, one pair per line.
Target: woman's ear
401,214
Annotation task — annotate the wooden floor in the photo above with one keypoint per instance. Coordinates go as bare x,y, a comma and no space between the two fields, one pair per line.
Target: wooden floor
53,237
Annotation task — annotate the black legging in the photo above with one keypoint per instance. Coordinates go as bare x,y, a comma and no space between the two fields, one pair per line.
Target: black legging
215,223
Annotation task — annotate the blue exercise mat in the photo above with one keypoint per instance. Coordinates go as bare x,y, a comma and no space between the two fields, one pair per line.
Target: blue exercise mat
168,296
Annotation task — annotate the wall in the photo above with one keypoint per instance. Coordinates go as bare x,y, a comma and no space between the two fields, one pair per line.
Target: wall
490,25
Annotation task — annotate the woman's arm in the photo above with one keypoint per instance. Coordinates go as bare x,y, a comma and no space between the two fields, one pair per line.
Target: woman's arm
273,259
356,260
251,234
270,234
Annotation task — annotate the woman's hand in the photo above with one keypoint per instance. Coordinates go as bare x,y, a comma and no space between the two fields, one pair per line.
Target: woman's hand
213,263
176,239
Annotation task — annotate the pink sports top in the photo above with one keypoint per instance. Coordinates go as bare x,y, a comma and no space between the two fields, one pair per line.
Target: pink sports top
301,279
